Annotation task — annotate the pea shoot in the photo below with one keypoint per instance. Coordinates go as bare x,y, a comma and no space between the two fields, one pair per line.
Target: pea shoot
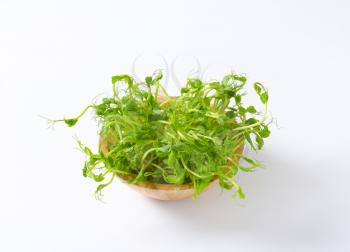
190,139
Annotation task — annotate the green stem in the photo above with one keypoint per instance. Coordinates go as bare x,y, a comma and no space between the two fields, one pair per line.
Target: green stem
157,90
254,124
75,118
111,180
115,94
192,172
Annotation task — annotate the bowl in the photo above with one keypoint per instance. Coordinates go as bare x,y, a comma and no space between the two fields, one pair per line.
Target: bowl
162,191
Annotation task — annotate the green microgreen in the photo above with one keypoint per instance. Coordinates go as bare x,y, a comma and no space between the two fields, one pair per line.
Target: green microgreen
192,138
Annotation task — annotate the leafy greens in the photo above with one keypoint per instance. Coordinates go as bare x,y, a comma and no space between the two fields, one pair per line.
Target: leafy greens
193,138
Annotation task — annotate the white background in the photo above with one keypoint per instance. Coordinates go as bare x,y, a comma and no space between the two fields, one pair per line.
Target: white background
55,56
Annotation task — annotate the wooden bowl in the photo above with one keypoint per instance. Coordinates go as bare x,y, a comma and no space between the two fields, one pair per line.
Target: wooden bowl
163,191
